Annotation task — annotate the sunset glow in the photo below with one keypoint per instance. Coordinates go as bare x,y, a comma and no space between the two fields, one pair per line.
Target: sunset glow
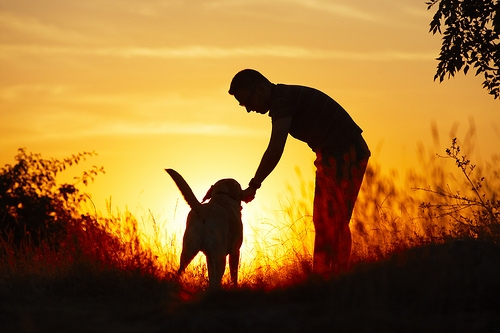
144,85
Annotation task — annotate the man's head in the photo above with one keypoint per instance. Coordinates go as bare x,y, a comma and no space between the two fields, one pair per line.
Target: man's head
252,90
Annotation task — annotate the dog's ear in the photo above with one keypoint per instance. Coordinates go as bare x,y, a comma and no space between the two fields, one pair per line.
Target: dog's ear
208,195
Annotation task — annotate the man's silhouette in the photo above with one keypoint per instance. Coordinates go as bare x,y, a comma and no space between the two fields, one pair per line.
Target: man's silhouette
342,155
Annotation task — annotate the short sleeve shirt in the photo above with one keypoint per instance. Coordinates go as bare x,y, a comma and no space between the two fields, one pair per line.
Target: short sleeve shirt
317,119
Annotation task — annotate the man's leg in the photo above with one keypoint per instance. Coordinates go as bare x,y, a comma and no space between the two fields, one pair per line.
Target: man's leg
353,172
329,218
338,182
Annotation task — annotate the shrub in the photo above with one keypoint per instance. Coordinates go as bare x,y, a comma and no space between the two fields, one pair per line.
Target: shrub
474,213
33,207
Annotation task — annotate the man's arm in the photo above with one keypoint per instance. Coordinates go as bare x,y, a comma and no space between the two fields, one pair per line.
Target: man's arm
271,156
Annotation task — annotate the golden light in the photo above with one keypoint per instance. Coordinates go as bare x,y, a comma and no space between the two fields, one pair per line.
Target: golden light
273,239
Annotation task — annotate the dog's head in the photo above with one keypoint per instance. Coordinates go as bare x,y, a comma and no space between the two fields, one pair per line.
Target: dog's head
229,187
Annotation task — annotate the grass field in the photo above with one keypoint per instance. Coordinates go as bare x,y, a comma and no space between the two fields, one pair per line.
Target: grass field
452,287
426,258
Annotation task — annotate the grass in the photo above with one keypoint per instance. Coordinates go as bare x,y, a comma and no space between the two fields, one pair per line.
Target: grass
423,259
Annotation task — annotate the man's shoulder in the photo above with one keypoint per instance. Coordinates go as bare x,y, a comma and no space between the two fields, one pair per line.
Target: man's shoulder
284,86
283,90
287,99
292,90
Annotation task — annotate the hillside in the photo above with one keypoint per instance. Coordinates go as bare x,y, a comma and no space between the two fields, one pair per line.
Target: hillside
433,288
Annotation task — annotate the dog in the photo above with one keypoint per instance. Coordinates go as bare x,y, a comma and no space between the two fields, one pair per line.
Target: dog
214,228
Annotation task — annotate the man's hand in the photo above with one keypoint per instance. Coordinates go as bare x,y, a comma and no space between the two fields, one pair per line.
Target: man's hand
248,194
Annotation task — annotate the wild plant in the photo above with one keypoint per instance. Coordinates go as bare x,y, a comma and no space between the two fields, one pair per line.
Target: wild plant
474,212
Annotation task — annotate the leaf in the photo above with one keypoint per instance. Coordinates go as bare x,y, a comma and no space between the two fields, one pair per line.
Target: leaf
471,37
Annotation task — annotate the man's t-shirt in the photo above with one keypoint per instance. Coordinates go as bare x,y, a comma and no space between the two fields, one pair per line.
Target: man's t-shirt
318,120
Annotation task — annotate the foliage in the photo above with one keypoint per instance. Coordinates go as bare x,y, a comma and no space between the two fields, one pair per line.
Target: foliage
33,207
388,220
476,215
471,39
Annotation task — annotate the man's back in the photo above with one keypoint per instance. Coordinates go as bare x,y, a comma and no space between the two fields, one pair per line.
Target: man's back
318,119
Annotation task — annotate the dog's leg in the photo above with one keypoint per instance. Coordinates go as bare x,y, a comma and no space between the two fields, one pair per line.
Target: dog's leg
216,267
234,260
187,256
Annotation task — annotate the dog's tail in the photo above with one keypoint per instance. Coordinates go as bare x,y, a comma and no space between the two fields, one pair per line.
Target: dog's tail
186,191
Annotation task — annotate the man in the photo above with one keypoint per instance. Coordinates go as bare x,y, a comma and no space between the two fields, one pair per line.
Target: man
342,155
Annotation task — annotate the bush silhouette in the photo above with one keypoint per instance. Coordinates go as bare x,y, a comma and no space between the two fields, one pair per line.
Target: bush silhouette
34,209
474,213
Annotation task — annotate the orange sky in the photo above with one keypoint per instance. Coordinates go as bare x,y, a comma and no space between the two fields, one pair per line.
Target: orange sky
144,84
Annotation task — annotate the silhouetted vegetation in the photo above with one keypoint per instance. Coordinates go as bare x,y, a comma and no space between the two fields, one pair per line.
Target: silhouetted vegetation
34,209
471,39
425,257
474,214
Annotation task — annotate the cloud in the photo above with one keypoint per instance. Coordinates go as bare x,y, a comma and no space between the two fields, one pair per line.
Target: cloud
19,27
189,128
197,52
18,91
323,6
129,129
337,9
